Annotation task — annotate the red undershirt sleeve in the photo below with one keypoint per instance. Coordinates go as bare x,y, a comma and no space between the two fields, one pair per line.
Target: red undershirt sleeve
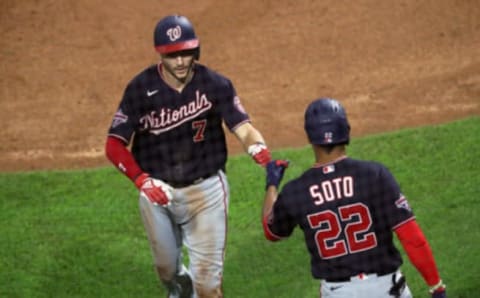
266,230
418,250
117,152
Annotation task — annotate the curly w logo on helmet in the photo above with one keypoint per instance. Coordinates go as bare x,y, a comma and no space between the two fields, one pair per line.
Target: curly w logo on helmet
174,33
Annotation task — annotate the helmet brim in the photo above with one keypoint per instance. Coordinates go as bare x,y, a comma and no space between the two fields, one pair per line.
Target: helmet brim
179,46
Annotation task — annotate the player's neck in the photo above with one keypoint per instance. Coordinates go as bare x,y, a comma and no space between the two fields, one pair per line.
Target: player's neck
323,156
173,81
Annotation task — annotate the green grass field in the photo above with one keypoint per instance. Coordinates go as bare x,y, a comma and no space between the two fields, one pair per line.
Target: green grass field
79,233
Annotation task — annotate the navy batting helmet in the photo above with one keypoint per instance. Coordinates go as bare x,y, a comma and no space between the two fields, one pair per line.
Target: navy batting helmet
175,33
326,122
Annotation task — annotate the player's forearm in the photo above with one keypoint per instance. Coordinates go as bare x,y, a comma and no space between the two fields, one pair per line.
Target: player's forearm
254,137
118,154
418,250
253,143
269,200
248,135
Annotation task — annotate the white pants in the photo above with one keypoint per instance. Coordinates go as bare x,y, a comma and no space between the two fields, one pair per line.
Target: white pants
196,219
363,286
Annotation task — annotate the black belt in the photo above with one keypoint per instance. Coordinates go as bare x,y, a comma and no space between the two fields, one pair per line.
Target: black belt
181,184
345,279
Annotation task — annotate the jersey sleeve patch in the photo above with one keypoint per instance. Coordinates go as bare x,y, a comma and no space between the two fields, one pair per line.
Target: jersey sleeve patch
119,118
402,203
238,105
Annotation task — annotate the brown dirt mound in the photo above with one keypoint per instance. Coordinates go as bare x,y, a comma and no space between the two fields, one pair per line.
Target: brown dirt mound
393,64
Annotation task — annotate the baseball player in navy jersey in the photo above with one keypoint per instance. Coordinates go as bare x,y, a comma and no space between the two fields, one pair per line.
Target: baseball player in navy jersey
348,210
167,137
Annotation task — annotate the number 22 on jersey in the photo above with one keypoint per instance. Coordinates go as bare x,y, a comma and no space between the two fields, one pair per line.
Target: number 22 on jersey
332,241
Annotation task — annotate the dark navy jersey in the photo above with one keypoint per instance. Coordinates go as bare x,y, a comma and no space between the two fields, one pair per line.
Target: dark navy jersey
347,211
178,136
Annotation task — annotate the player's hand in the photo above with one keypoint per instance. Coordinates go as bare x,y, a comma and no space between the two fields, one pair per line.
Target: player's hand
275,171
157,191
438,290
440,294
260,153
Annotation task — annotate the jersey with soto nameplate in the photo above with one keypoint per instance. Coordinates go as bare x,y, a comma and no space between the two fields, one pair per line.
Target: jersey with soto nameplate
347,210
178,136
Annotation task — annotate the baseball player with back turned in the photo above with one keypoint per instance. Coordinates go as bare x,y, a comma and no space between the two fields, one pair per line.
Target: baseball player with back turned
348,210
172,115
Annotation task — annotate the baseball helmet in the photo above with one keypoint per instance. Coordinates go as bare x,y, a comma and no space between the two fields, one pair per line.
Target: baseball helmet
326,122
175,33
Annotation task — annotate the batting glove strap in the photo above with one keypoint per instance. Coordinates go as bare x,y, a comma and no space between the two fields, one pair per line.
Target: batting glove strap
439,287
140,180
156,191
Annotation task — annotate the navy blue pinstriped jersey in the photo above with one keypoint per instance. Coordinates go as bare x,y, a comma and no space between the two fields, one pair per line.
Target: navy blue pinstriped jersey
178,136
347,211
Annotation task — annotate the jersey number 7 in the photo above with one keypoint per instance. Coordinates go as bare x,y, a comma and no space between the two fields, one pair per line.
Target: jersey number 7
332,241
199,126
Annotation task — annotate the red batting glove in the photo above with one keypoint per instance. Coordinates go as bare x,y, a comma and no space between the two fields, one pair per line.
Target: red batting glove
156,191
260,153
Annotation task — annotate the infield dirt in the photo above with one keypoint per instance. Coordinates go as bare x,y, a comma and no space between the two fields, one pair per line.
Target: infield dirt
393,64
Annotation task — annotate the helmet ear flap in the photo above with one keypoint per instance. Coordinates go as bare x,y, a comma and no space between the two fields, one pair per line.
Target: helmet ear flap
197,54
